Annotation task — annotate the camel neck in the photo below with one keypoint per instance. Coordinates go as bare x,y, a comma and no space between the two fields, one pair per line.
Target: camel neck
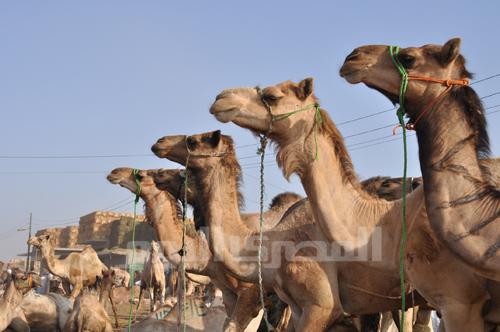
161,210
346,214
52,262
446,139
463,207
217,189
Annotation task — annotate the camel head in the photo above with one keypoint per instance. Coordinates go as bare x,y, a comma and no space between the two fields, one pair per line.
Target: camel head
172,180
155,248
124,176
258,109
40,241
204,150
389,188
373,66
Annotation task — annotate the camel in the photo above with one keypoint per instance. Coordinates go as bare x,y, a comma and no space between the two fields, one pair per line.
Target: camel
79,269
88,315
153,278
453,142
121,278
348,215
46,313
11,313
33,312
159,190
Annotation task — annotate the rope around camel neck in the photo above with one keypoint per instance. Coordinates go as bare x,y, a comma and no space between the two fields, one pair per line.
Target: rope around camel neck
262,152
183,247
135,172
394,51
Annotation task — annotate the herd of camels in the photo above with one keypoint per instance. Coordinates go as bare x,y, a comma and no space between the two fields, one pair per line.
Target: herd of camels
334,254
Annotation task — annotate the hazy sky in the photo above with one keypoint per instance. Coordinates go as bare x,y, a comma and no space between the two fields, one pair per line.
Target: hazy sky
110,77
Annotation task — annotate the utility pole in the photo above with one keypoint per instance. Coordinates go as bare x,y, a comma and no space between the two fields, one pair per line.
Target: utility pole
29,246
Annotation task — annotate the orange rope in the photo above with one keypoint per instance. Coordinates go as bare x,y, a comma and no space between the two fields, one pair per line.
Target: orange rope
448,83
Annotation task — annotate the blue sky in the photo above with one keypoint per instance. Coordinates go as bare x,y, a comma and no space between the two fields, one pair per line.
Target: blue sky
110,77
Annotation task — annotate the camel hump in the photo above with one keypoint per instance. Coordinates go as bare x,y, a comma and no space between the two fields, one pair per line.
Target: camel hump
284,198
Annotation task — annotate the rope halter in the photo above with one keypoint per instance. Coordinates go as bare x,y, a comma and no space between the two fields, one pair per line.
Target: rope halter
278,117
405,78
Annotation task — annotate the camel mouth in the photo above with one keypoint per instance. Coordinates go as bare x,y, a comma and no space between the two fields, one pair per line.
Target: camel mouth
159,151
224,115
351,73
113,178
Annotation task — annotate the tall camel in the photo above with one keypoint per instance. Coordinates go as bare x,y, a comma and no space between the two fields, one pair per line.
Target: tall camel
240,298
343,210
79,269
153,278
462,199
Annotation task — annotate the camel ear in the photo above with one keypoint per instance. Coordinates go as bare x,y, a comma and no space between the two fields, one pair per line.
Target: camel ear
305,88
215,138
47,237
450,51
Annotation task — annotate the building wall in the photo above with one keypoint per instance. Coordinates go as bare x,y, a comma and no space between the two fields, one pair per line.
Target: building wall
115,229
98,225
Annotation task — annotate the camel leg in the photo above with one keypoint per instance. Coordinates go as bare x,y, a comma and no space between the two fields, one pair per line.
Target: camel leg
246,308
76,289
110,295
138,303
152,299
229,300
461,318
423,321
408,322
163,291
315,318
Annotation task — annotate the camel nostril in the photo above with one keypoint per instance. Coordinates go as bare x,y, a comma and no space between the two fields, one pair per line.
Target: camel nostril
353,55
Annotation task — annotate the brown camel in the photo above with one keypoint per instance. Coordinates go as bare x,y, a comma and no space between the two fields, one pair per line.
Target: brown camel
240,298
121,278
462,199
79,269
346,214
153,278
88,315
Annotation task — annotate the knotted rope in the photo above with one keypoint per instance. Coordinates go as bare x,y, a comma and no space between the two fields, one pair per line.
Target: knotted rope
135,173
182,252
262,152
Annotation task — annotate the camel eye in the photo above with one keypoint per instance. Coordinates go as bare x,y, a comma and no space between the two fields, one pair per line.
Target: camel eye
191,143
407,60
270,98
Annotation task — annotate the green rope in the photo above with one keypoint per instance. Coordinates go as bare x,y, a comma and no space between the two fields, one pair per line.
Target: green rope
262,152
317,122
135,172
394,51
182,252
